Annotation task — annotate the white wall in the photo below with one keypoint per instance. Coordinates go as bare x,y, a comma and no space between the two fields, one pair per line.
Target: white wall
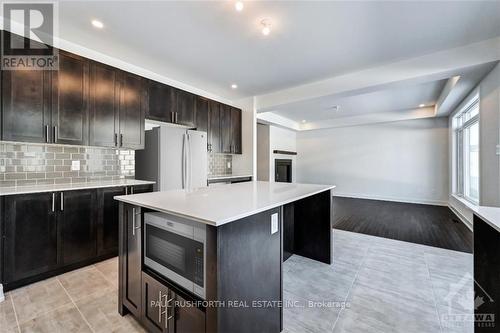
401,161
263,153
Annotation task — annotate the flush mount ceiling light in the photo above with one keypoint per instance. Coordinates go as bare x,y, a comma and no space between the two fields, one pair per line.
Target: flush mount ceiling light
304,121
421,105
234,86
97,24
266,26
239,6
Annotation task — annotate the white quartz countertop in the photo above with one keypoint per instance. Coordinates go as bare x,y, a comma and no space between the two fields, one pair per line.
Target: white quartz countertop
70,187
490,215
219,205
219,177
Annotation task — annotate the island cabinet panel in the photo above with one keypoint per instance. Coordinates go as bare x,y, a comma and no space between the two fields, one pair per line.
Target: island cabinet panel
156,300
187,318
107,220
26,96
77,223
104,105
225,128
162,103
214,139
130,257
249,255
133,105
70,101
30,236
486,273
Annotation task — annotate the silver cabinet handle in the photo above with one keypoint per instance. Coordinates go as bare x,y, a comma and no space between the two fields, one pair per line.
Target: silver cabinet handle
55,134
159,308
116,139
47,133
62,201
126,190
53,202
134,222
121,140
131,190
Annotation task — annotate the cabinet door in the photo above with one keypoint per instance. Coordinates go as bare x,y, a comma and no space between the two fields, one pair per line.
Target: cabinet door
130,258
70,101
236,130
133,104
161,102
188,318
26,96
225,127
202,106
138,189
155,297
107,228
30,243
76,222
185,108
214,131
104,105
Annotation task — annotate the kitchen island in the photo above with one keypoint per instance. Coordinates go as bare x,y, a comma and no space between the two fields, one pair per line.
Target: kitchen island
247,230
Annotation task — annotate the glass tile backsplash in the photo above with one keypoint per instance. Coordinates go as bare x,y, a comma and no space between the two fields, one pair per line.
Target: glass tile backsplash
23,164
219,164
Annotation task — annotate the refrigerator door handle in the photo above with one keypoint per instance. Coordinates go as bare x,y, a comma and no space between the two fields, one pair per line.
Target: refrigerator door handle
188,160
184,161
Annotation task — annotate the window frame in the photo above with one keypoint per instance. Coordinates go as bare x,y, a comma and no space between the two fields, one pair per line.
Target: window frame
462,122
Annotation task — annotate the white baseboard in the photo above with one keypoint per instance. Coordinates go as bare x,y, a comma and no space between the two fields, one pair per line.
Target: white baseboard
462,218
393,199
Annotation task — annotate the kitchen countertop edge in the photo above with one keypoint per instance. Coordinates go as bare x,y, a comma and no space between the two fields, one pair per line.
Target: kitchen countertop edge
70,187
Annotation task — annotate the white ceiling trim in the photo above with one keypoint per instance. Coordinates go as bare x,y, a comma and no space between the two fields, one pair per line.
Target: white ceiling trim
442,64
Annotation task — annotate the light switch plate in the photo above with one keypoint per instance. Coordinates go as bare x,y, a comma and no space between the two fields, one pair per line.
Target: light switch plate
274,223
75,165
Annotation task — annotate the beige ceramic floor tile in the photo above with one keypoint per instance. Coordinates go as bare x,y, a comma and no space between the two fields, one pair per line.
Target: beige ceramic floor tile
84,282
109,269
101,312
38,298
66,319
8,322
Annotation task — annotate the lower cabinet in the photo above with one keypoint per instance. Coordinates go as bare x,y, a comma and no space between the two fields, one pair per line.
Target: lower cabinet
107,220
163,311
29,236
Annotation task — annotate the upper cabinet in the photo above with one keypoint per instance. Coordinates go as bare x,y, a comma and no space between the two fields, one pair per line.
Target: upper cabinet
185,113
70,102
133,105
225,129
104,105
235,130
161,102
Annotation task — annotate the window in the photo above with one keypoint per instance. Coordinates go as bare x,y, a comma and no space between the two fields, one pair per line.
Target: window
466,130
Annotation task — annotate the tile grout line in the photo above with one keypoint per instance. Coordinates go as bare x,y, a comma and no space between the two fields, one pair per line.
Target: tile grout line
352,284
76,306
15,314
433,294
104,276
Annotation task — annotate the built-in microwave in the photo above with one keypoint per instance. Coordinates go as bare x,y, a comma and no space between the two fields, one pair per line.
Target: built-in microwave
175,248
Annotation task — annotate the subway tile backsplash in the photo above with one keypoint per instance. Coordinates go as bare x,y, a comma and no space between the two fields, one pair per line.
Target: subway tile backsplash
219,164
23,164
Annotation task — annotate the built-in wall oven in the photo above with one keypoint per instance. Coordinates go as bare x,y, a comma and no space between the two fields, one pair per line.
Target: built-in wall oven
175,248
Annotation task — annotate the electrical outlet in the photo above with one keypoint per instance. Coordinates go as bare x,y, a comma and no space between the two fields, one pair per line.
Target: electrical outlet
274,223
229,165
75,165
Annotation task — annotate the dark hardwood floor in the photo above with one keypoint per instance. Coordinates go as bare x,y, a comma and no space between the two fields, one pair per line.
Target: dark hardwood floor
422,224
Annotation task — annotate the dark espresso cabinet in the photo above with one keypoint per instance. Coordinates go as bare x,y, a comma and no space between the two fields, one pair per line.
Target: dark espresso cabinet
225,129
26,109
45,234
185,102
214,128
133,104
235,131
70,100
76,221
104,105
162,102
30,236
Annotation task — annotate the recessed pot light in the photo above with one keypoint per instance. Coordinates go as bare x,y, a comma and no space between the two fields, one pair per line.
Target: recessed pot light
234,86
98,24
239,6
421,105
266,26
304,121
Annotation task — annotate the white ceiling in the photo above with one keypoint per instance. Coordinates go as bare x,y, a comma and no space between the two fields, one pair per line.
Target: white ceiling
207,44
400,98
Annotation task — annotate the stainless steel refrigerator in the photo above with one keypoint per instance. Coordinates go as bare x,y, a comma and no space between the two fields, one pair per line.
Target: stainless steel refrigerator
174,158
